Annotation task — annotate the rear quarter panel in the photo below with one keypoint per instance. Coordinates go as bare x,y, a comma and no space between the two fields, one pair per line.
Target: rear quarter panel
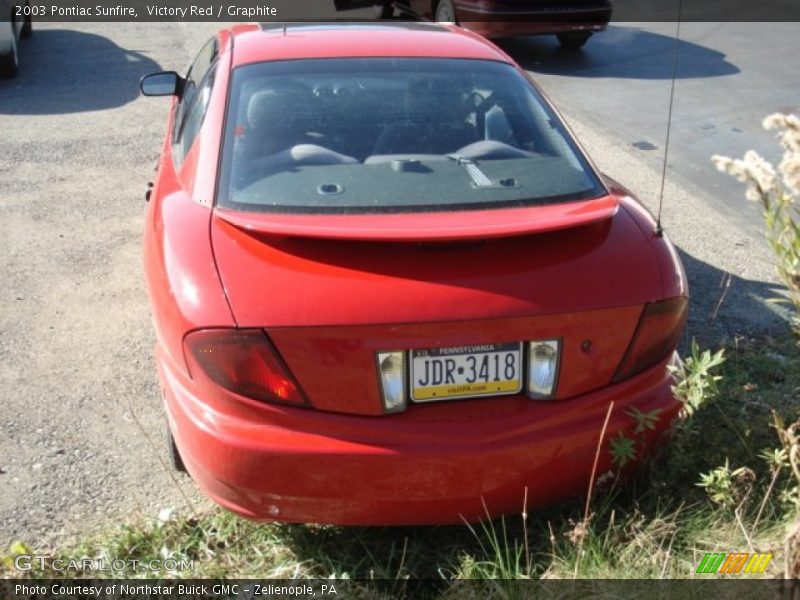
182,281
670,267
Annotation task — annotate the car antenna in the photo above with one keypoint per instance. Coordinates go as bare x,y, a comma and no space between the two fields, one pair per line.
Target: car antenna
659,229
284,28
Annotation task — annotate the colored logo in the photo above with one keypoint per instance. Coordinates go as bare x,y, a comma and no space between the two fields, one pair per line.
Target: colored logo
733,563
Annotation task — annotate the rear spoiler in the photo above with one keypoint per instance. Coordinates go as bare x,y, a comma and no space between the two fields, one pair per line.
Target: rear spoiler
429,226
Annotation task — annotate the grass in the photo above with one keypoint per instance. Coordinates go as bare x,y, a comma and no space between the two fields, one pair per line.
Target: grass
655,523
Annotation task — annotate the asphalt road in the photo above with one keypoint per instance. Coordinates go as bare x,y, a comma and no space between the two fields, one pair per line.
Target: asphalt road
729,76
80,413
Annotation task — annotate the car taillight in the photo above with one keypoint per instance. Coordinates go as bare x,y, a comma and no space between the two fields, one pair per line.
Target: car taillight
657,334
243,361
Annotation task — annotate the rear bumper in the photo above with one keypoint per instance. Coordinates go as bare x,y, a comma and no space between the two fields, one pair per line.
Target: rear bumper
434,464
502,29
501,19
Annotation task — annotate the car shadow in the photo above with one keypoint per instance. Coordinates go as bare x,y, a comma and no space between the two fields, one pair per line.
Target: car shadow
383,556
724,306
64,71
619,52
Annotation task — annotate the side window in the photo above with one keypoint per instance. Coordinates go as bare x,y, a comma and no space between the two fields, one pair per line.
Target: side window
195,112
194,76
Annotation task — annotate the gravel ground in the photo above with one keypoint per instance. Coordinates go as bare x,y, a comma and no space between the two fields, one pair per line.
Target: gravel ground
80,413
81,408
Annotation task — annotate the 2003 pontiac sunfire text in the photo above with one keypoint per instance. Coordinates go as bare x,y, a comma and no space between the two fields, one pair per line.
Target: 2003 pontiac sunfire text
42,10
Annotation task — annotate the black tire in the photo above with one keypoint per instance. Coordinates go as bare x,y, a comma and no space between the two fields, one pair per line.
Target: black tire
445,12
175,460
27,29
9,62
573,40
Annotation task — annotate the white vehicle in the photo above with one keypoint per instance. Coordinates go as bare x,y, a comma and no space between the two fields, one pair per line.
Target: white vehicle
15,23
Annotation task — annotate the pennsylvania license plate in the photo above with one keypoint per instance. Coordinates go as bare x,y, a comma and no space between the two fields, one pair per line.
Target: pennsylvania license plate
466,372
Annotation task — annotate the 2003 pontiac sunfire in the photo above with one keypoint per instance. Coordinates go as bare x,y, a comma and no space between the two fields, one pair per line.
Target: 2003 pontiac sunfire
388,285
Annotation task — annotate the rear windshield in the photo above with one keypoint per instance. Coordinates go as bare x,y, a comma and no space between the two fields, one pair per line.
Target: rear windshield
392,135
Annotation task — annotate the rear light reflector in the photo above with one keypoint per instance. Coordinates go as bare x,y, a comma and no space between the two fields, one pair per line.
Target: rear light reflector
392,370
656,336
243,361
543,360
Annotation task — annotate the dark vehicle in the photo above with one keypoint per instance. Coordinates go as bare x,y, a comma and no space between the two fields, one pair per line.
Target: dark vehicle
573,21
15,23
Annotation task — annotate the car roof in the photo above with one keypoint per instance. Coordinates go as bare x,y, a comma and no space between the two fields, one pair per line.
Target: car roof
278,41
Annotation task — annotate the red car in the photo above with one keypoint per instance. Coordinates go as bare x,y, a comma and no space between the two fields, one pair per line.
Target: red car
388,286
573,22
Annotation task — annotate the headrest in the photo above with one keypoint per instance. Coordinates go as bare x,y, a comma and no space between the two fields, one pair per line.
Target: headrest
269,108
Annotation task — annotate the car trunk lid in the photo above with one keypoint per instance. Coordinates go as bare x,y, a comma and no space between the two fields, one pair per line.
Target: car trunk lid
331,302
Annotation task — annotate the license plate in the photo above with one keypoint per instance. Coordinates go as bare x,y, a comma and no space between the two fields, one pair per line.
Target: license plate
466,372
